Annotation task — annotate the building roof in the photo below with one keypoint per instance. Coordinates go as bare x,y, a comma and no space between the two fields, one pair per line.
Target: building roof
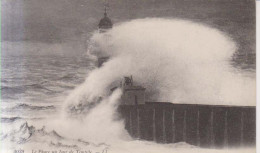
105,22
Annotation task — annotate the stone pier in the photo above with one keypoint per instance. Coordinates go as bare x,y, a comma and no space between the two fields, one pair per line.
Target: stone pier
201,125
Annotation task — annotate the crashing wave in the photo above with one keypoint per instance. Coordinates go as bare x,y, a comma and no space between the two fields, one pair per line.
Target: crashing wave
25,134
20,135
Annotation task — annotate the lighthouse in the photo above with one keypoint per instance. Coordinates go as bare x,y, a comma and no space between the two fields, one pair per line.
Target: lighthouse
104,25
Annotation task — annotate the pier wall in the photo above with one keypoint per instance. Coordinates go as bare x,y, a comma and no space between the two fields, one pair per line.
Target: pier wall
200,125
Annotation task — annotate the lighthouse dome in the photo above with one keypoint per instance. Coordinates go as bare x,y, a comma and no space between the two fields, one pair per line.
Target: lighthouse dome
105,23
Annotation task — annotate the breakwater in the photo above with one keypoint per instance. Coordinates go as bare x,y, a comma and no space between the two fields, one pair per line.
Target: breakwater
200,125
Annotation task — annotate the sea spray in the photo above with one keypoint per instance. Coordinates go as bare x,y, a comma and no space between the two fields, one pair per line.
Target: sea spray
175,60
100,124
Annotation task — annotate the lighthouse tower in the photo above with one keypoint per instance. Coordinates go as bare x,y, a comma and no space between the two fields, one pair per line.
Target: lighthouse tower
104,25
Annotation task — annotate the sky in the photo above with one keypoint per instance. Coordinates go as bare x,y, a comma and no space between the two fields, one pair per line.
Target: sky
69,23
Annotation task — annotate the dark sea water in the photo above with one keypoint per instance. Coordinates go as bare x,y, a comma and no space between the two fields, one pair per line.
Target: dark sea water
32,85
33,89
